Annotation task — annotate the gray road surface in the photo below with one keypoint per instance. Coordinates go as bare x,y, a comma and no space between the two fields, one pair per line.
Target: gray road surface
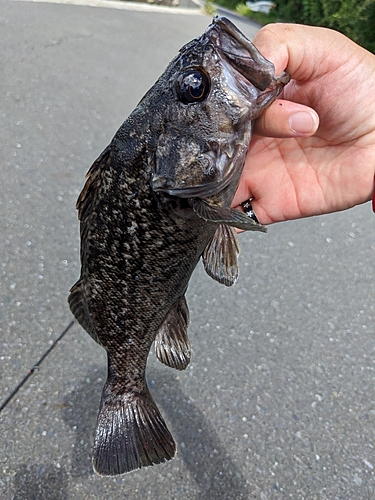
279,400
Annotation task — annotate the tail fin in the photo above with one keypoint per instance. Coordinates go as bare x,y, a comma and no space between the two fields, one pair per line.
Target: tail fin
130,434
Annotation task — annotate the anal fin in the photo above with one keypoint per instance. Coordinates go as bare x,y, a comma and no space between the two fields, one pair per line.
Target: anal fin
172,345
130,434
220,257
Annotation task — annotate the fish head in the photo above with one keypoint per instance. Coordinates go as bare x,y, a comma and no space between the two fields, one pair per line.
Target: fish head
213,90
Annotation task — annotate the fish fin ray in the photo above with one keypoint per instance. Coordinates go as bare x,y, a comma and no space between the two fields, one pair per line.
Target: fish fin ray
220,257
78,306
93,176
130,434
226,215
172,345
89,197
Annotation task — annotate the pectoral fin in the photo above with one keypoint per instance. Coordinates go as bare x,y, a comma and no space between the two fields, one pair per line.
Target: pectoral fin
172,344
220,256
225,215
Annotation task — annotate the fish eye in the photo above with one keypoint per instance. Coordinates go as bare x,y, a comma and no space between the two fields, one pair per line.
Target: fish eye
192,86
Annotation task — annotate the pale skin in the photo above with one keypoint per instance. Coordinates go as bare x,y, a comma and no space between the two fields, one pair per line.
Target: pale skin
313,150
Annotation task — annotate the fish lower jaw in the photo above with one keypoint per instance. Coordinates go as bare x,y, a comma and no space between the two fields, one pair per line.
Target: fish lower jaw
226,163
160,183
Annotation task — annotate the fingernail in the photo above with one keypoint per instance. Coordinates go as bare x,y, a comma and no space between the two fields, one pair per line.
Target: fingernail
302,123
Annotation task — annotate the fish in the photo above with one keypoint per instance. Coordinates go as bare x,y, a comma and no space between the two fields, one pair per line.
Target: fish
155,203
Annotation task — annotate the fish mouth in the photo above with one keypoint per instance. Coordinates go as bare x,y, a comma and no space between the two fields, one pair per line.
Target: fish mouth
243,56
254,70
200,191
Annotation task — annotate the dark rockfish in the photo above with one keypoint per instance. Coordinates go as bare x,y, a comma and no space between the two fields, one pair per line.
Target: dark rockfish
156,201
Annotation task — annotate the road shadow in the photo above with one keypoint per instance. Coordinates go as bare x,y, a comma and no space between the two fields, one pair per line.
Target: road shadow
198,444
40,482
79,411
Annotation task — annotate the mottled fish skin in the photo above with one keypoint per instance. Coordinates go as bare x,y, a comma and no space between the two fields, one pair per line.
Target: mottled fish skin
148,213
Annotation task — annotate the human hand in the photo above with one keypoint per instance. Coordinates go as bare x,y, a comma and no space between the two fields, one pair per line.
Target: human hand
312,169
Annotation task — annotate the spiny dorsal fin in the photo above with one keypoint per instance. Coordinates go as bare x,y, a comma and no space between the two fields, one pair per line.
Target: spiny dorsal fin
93,176
225,215
172,344
78,306
220,256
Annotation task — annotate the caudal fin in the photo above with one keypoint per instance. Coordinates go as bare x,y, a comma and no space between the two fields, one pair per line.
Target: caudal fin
130,434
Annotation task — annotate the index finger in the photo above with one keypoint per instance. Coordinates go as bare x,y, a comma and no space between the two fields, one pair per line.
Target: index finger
302,50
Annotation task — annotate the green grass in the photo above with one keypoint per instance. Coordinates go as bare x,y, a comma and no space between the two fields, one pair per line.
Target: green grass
259,17
243,10
228,4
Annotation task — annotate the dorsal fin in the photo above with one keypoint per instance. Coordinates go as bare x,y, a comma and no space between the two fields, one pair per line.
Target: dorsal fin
91,186
78,306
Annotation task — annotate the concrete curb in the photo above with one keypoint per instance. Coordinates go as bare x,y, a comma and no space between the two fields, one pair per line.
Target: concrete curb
134,6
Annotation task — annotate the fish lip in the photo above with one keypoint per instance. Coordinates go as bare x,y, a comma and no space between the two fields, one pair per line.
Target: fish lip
243,55
199,191
160,183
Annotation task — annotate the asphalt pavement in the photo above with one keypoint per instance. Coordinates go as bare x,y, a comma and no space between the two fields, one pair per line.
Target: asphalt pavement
279,399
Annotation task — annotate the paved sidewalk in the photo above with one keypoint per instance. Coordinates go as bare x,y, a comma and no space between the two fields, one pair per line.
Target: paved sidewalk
279,400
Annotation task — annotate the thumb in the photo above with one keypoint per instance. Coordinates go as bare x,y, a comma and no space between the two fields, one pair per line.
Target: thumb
287,119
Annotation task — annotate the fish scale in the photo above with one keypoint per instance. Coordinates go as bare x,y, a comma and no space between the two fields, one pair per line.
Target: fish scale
155,202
